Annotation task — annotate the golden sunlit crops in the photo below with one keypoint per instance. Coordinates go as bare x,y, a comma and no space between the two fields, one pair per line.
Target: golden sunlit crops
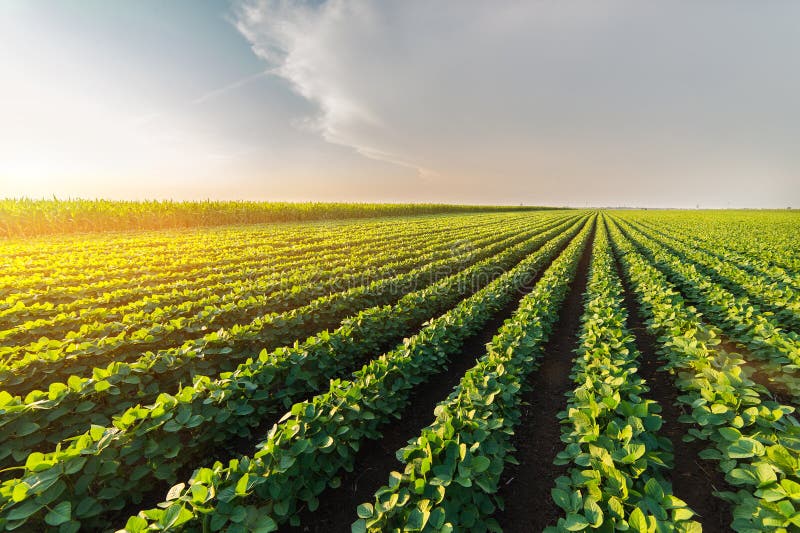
624,370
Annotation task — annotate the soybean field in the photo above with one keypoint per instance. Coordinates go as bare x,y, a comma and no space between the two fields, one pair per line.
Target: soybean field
526,370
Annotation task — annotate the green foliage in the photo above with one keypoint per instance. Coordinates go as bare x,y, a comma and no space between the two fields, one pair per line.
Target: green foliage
287,468
616,480
754,440
155,350
61,409
777,350
176,430
27,217
453,467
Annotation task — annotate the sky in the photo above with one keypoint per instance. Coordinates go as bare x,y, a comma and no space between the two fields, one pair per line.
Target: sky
601,103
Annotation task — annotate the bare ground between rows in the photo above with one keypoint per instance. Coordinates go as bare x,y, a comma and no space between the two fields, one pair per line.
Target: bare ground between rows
233,447
525,488
240,446
376,458
693,479
757,372
753,365
236,446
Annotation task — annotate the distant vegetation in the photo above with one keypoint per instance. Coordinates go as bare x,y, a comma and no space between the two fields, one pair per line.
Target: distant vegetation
26,218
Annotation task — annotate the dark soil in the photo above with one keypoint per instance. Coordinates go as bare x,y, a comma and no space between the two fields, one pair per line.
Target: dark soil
377,458
756,372
693,480
525,488
243,445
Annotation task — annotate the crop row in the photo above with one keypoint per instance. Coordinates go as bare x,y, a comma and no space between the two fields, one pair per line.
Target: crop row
453,468
739,319
49,416
172,325
776,297
775,243
756,266
155,265
257,277
258,386
754,441
140,254
317,439
237,342
616,458
58,297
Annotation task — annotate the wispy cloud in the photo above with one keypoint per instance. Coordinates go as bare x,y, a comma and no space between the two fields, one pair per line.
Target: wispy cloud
207,96
564,100
295,38
214,93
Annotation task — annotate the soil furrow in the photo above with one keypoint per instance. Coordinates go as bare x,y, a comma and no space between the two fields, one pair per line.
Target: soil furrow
238,446
758,372
378,457
693,479
525,488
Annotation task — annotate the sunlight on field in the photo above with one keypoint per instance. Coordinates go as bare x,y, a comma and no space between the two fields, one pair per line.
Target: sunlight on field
211,369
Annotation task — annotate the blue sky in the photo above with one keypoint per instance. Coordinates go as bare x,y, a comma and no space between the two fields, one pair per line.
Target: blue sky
576,103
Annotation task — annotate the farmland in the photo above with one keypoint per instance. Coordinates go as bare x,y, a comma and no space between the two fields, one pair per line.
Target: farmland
520,370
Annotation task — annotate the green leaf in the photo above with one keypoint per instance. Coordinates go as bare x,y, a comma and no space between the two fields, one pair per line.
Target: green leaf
394,479
480,464
653,489
241,485
765,475
174,515
437,518
281,508
23,511
792,489
239,514
96,432
744,448
593,512
26,428
575,522
34,460
59,514
637,521
416,520
88,507
730,434
199,493
364,510
782,458
616,508
20,491
561,498
135,524
265,524
73,526
172,426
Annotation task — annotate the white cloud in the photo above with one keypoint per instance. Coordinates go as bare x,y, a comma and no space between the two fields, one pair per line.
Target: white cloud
555,101
296,38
